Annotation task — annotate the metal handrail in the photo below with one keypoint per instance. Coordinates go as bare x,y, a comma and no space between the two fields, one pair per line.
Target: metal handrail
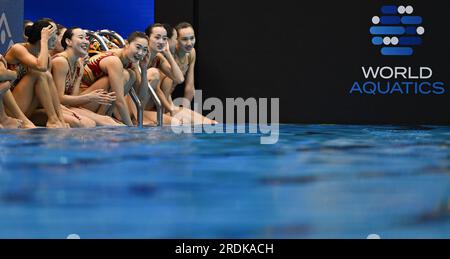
110,42
159,107
99,36
112,34
140,109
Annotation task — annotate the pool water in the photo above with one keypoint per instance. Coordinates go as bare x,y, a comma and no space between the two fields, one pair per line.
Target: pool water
318,181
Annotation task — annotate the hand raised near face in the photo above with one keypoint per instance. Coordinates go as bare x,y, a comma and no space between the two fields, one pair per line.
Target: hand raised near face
47,32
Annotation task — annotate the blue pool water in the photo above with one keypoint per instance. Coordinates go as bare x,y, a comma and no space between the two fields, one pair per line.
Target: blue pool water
318,181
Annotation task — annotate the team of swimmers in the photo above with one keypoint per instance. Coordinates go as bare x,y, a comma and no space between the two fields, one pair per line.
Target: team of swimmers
50,80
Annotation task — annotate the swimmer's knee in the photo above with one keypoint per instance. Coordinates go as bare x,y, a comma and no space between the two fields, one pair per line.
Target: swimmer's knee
37,74
48,76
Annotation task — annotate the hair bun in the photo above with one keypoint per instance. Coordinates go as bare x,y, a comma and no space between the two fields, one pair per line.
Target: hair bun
27,30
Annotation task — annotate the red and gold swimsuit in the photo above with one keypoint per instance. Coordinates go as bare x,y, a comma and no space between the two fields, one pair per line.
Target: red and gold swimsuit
71,76
92,70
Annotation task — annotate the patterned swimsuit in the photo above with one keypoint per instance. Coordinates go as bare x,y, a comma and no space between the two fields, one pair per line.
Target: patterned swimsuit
20,69
92,70
71,76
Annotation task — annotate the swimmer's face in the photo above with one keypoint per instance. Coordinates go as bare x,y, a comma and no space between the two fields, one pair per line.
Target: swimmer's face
58,46
186,39
137,49
52,39
79,42
158,39
173,41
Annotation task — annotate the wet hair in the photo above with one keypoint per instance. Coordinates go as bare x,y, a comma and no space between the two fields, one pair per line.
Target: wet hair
169,30
137,34
27,26
26,23
183,25
33,32
60,28
68,34
47,20
150,28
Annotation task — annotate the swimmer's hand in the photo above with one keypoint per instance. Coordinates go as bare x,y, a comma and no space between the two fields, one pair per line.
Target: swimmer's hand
100,96
12,75
46,33
9,75
166,51
3,60
4,87
143,64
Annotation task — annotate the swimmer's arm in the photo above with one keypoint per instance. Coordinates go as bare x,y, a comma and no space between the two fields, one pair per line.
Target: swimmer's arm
21,54
4,87
162,97
60,69
141,78
170,67
114,68
189,89
143,65
139,75
5,74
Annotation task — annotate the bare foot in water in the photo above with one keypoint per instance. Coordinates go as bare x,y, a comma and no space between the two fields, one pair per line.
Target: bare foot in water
212,122
65,125
11,123
54,124
28,125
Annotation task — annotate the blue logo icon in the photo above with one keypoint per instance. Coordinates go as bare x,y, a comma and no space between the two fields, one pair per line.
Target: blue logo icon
397,30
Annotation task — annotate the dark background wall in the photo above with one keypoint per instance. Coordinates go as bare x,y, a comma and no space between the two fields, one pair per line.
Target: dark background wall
175,11
309,55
